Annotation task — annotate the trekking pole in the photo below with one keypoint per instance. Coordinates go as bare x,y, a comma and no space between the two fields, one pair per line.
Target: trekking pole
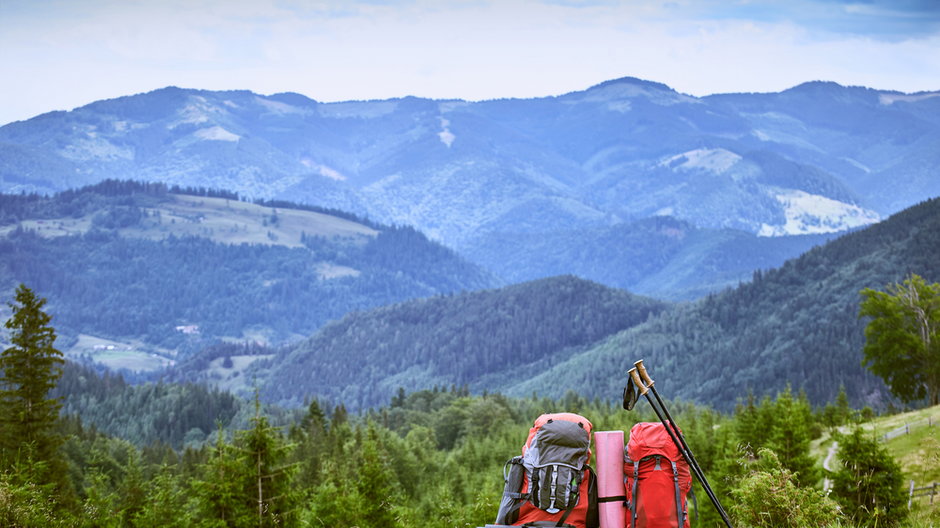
672,429
649,383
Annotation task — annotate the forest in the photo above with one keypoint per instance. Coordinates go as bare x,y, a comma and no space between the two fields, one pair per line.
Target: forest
107,284
431,458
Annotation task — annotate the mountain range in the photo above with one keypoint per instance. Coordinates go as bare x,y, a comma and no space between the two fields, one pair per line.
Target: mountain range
796,325
496,179
412,243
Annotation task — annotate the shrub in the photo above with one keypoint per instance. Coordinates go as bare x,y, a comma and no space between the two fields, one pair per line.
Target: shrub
768,496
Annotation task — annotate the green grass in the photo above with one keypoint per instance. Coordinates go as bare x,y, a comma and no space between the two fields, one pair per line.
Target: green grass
917,450
116,355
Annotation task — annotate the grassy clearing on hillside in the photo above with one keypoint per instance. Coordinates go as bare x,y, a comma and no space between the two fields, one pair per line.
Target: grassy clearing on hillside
913,439
232,378
234,222
218,219
116,355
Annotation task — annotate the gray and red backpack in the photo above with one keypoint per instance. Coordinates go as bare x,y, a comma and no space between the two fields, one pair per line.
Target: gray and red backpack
551,484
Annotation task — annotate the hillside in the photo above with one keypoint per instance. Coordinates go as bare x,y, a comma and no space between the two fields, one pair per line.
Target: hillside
136,274
485,340
797,324
818,158
660,257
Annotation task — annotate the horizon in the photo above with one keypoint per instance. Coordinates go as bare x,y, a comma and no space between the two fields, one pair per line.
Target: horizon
470,50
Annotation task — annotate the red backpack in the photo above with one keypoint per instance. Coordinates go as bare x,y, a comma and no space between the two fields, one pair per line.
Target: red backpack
551,484
658,479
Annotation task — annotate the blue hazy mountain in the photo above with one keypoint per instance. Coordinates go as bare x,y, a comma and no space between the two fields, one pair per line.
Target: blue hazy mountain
818,158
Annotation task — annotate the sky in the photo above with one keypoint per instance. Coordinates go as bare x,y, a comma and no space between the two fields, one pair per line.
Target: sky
61,54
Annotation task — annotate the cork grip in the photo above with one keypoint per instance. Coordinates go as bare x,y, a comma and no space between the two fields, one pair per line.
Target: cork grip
643,374
636,381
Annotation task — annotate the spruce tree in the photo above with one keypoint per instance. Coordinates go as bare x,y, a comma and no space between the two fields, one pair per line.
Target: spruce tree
270,486
30,369
218,493
870,484
792,435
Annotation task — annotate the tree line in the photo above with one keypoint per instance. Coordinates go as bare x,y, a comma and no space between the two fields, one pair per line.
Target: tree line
430,458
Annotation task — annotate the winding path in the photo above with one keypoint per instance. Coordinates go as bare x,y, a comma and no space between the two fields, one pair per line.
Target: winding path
827,465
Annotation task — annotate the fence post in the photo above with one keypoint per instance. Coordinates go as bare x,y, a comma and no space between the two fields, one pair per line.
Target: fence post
910,495
933,491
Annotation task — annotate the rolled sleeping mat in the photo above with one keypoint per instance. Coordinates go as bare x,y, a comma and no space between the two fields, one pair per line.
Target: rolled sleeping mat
611,491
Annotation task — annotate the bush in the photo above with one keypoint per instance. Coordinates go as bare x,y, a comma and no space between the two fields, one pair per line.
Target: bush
869,486
768,496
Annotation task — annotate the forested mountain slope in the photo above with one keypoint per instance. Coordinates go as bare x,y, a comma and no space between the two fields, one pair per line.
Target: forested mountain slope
796,325
488,339
152,413
137,263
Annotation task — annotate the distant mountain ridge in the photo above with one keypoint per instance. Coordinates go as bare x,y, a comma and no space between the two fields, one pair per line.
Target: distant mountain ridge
795,325
817,158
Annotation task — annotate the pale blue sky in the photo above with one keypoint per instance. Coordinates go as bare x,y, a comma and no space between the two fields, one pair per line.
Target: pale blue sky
60,54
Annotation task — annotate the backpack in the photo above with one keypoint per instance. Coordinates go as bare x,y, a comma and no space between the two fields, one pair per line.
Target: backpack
551,484
658,479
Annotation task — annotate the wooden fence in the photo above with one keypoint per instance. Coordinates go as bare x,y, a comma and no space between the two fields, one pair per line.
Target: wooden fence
931,490
930,421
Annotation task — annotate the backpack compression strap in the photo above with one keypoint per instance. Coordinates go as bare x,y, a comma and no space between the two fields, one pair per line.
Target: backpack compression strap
513,498
576,486
633,501
679,511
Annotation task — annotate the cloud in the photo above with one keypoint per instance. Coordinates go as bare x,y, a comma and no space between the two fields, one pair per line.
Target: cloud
891,20
472,49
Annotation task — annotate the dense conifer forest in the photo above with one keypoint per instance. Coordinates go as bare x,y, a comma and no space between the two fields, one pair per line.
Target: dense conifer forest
482,339
431,458
109,284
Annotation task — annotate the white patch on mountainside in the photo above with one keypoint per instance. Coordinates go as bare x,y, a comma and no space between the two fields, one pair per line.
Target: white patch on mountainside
857,164
716,161
330,173
811,214
198,111
777,127
216,133
95,147
891,98
447,137
279,108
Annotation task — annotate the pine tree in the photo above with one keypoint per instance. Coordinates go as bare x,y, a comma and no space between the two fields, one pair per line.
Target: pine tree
753,423
30,369
870,484
165,502
271,480
792,434
219,491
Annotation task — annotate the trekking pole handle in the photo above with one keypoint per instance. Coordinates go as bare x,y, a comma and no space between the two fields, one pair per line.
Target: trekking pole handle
638,382
643,374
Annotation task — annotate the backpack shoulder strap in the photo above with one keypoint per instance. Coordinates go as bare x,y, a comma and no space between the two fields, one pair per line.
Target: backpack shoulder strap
680,513
593,518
